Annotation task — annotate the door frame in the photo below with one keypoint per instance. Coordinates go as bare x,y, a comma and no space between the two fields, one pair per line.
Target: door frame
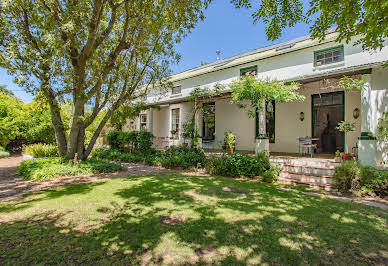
318,95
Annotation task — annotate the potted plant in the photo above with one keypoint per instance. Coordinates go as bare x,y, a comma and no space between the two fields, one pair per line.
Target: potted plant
230,141
337,157
345,126
173,133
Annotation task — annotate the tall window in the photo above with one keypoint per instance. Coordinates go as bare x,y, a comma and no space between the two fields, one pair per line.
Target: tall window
209,121
176,90
175,122
270,121
248,71
329,56
143,122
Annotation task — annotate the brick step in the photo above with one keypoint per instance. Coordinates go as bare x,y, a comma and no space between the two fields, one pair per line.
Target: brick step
305,162
289,181
308,170
324,179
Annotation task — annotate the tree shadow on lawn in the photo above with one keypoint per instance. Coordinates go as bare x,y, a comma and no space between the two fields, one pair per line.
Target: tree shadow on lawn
260,225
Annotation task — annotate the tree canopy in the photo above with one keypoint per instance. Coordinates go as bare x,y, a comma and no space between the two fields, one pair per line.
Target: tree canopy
100,54
250,93
368,18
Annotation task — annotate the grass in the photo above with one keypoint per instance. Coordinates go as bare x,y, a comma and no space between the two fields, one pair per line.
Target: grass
214,220
44,169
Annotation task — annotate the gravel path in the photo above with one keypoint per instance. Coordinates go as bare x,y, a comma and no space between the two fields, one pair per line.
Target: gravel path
13,187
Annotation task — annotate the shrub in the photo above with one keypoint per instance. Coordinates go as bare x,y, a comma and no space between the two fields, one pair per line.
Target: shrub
347,176
174,157
4,154
373,181
351,176
130,141
243,165
41,150
44,169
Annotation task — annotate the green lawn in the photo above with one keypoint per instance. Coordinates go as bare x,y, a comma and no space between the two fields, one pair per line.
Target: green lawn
178,219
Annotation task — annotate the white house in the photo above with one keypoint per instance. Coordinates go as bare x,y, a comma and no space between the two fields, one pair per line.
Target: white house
316,65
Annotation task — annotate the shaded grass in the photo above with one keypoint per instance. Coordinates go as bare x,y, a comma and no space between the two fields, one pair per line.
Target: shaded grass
226,221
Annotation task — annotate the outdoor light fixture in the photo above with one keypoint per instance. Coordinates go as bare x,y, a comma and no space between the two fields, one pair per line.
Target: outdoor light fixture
301,116
356,113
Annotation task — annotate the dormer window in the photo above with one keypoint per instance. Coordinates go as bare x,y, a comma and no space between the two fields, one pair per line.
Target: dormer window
176,90
248,71
329,56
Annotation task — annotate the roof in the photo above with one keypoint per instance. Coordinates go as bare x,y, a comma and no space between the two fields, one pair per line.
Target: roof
254,55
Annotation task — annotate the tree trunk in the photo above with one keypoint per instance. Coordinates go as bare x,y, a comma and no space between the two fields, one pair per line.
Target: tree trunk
56,119
76,130
97,134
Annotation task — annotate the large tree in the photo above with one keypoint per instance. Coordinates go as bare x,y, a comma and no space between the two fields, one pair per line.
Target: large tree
100,54
368,18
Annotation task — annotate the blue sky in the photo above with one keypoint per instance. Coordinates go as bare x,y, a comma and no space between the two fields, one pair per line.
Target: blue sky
225,28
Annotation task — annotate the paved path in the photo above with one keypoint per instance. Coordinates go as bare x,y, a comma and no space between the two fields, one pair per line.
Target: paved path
13,187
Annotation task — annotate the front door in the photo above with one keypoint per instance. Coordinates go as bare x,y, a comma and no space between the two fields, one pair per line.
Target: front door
328,110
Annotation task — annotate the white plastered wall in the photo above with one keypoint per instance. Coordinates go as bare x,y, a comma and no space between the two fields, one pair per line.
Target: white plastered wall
289,127
379,105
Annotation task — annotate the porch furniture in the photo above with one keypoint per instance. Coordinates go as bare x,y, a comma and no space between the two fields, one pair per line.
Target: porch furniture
208,145
306,144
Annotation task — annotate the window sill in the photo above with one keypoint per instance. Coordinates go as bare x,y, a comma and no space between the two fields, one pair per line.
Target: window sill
332,65
175,95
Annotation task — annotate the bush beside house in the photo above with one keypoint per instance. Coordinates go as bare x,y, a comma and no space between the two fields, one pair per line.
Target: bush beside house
237,165
364,180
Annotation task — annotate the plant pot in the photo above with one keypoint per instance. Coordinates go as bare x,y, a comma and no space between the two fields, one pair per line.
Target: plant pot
229,150
347,156
337,159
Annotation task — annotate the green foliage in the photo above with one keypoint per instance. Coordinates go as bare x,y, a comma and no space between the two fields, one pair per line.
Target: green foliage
350,84
347,176
44,169
351,176
257,92
345,126
174,157
365,18
5,91
134,140
122,114
4,154
21,122
41,150
98,54
237,165
13,119
230,140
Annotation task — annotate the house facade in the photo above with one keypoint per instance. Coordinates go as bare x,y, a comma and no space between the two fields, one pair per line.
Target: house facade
318,66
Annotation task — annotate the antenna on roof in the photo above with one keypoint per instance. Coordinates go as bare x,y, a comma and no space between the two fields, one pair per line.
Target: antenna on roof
218,52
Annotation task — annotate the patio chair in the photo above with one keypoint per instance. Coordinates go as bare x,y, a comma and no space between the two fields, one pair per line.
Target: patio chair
306,144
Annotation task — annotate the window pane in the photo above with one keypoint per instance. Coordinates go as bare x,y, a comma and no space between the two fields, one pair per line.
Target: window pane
329,56
209,121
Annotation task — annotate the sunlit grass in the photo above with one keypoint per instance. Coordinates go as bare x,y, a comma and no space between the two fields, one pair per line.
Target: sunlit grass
181,219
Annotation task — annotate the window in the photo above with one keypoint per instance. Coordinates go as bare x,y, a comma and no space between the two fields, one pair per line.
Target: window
175,123
209,121
248,71
270,121
329,56
176,90
143,122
